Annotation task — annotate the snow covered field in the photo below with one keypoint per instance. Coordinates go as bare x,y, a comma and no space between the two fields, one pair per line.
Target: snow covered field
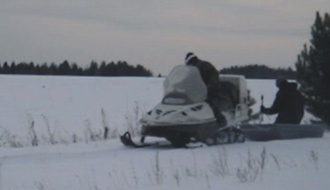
63,110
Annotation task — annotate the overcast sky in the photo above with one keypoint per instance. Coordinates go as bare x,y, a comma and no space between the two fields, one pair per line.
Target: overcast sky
157,33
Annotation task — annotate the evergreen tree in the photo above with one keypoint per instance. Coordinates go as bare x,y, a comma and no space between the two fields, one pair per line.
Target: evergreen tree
13,68
6,68
102,69
313,69
43,69
93,69
64,68
53,69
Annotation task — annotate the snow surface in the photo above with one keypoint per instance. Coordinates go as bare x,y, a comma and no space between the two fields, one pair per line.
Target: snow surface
72,106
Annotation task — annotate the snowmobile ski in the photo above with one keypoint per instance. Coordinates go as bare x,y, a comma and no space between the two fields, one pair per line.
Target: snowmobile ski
126,139
226,135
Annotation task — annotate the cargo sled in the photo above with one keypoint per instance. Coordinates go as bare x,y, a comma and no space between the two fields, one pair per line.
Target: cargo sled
267,132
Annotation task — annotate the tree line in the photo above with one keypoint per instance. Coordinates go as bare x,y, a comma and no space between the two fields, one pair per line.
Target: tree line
256,71
120,68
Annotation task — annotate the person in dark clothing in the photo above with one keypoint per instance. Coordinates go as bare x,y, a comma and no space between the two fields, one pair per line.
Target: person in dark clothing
211,79
288,104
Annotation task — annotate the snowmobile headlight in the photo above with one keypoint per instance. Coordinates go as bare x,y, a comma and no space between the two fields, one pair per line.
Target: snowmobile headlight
197,108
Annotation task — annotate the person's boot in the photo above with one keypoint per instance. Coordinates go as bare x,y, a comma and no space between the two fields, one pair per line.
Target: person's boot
221,120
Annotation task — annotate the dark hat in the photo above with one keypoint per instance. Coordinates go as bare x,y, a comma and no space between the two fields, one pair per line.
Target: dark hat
280,81
189,56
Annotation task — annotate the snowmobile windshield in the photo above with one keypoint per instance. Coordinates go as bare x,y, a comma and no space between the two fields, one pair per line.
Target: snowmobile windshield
183,86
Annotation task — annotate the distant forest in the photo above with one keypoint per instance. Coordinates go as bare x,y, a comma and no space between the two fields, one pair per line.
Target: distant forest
260,72
121,68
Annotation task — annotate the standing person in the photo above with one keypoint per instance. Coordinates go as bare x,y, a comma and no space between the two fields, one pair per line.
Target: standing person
210,78
288,104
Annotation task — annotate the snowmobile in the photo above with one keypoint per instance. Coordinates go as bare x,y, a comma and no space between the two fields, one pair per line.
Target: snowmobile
184,116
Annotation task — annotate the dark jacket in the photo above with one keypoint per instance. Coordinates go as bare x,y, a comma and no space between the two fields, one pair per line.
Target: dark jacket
211,79
288,104
209,75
